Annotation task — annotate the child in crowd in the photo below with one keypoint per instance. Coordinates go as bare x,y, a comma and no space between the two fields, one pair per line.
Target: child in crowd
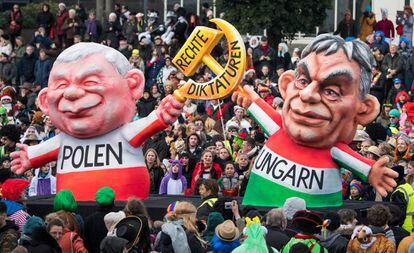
357,190
174,183
229,181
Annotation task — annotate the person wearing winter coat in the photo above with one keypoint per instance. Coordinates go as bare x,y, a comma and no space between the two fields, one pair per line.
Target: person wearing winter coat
385,25
330,238
93,28
7,69
367,23
347,27
43,242
283,57
408,21
146,104
45,18
43,183
60,19
174,183
365,240
71,27
15,21
264,55
9,232
27,64
380,43
229,181
393,65
95,228
276,223
42,68
208,191
206,169
113,30
70,240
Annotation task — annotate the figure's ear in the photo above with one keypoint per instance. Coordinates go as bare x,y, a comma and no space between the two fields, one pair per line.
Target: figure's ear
42,101
136,83
368,111
284,80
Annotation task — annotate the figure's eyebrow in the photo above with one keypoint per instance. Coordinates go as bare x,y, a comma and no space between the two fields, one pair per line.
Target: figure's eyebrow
303,69
91,70
343,73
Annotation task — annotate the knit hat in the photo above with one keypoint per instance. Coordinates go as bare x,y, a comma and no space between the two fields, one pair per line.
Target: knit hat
65,201
394,113
308,222
105,196
357,185
213,220
292,205
396,80
135,52
31,223
334,221
12,189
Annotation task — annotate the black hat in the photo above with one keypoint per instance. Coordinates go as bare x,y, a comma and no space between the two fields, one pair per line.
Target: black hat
184,153
130,229
3,207
334,221
400,170
263,38
308,221
112,244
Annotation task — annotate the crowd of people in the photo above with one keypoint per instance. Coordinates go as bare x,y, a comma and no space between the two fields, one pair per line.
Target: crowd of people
208,152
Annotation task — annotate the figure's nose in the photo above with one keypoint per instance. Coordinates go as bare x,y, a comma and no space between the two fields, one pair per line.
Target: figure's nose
73,93
310,94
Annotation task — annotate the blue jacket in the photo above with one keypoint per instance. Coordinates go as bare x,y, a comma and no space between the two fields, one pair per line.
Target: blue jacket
42,71
382,45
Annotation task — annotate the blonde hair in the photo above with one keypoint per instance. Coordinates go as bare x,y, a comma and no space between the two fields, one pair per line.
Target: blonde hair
157,161
186,212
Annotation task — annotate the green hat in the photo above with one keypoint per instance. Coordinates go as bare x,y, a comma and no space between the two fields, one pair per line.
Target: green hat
65,201
105,196
395,113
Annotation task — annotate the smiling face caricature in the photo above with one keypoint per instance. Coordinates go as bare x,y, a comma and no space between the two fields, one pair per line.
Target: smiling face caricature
324,101
91,99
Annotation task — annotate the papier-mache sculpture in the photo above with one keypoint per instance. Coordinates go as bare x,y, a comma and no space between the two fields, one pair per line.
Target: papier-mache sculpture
324,101
91,98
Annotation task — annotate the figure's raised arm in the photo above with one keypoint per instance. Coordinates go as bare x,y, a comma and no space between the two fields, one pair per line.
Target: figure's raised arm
28,157
167,113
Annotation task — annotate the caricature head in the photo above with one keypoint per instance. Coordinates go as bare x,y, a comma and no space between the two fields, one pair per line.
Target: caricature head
327,97
92,90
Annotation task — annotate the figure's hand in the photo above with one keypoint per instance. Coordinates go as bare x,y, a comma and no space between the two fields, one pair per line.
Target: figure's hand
20,161
169,109
381,177
246,98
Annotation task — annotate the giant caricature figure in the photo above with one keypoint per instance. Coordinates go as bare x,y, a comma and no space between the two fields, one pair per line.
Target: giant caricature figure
91,99
325,99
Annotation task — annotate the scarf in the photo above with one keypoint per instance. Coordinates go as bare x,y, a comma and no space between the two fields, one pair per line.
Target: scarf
264,48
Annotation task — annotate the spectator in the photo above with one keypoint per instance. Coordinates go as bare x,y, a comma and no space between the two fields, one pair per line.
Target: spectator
367,23
70,240
66,203
283,56
12,193
141,24
95,229
229,181
27,66
28,228
276,223
18,51
226,238
130,30
45,239
357,191
43,183
331,239
112,244
60,20
111,219
396,221
206,168
385,25
42,68
392,65
264,55
45,19
291,206
165,71
15,21
380,43
9,232
71,27
309,224
7,69
112,31
174,183
136,61
92,28
209,195
213,220
156,173
347,27
5,45
364,240
407,22
172,237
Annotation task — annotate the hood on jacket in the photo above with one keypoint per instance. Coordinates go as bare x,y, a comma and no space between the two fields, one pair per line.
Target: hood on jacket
13,206
407,42
381,33
180,167
41,236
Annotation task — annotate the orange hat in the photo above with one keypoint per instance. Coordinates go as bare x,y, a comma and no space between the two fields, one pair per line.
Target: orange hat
264,89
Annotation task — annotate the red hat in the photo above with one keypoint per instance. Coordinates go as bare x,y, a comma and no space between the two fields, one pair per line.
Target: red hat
12,189
5,96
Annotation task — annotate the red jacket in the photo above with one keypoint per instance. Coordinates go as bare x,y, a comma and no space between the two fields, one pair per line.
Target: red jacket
71,242
60,21
216,114
387,27
198,171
